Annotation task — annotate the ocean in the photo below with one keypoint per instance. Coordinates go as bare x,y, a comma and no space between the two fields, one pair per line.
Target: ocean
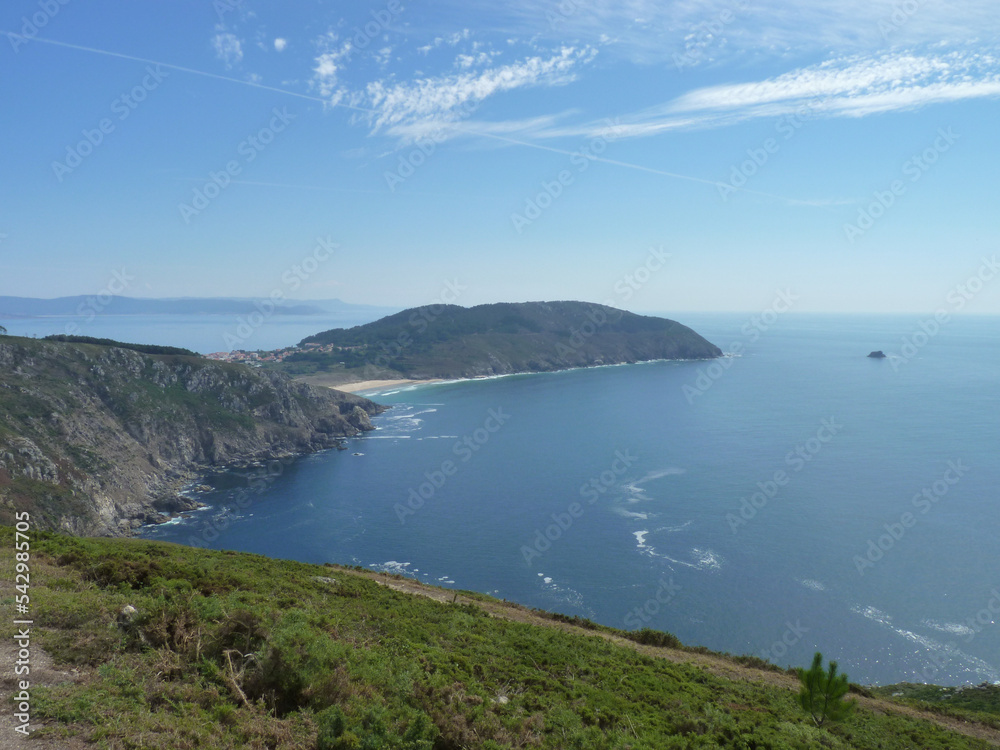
204,334
798,496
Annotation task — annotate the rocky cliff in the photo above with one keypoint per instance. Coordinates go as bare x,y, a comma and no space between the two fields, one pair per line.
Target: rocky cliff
95,440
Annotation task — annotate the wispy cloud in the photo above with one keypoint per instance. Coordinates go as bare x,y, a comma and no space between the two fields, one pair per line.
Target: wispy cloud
329,62
651,31
280,43
228,48
849,87
449,40
402,109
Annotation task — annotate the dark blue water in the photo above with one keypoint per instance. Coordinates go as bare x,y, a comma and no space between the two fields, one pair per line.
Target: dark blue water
616,493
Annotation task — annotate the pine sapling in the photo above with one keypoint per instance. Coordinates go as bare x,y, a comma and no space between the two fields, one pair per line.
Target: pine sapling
822,693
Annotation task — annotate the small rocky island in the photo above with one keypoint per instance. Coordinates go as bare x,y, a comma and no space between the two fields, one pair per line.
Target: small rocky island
877,355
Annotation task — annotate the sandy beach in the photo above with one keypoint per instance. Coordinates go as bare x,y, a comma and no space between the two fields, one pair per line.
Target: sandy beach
376,385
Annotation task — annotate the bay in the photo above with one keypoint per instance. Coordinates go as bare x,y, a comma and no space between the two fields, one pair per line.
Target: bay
615,493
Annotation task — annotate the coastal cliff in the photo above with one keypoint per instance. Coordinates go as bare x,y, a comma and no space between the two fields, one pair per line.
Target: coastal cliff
96,440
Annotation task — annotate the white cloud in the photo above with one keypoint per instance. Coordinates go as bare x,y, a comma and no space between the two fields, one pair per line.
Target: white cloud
280,44
329,63
227,48
450,40
655,31
401,108
848,87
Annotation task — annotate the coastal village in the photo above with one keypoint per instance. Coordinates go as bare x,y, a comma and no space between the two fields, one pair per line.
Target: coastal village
256,358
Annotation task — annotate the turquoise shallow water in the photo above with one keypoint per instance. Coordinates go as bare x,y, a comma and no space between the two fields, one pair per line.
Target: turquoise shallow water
615,493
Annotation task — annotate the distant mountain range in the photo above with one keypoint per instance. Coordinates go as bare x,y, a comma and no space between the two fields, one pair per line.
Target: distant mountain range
448,341
30,307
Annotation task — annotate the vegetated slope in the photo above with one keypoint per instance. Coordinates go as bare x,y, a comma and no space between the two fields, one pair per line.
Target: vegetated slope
96,439
228,650
446,341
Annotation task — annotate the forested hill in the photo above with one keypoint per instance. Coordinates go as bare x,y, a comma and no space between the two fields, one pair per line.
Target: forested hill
448,341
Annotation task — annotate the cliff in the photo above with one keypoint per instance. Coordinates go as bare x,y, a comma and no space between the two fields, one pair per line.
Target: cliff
94,440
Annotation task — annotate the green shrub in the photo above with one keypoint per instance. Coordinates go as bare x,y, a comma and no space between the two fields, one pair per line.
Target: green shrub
822,694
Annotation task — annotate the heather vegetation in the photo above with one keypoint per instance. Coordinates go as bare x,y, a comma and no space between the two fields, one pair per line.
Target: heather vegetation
188,648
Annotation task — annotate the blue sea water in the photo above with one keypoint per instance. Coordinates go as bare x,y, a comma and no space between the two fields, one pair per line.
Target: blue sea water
200,333
615,493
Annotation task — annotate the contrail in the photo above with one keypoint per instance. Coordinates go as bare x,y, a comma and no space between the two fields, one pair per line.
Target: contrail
459,128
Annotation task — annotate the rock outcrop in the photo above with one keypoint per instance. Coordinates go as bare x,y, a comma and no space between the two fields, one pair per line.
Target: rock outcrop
97,440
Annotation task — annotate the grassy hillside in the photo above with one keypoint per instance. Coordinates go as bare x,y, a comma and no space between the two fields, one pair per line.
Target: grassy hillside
450,341
229,650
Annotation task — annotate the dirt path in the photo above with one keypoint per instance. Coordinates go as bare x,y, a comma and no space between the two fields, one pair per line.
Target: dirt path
717,665
43,674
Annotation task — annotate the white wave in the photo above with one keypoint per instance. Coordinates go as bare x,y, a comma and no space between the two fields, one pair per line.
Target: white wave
872,613
944,653
391,566
669,471
631,514
952,628
812,585
707,559
565,595
675,529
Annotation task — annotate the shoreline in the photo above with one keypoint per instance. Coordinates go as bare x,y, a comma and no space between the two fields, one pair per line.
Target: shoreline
379,385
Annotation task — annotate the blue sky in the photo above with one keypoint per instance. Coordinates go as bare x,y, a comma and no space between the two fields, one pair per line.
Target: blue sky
839,150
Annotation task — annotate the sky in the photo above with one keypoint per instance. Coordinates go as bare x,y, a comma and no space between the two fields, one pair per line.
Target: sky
840,155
